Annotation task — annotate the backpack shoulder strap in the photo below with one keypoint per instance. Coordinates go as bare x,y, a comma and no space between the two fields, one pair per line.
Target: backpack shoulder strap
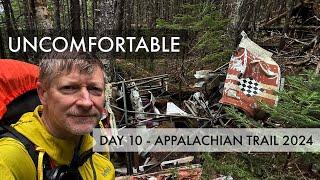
8,131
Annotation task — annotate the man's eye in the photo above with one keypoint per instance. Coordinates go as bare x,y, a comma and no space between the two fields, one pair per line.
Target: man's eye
68,89
95,91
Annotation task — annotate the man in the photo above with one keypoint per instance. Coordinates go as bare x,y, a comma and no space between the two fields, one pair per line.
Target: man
71,90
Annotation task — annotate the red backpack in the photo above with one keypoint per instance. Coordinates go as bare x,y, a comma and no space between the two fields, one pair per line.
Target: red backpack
17,89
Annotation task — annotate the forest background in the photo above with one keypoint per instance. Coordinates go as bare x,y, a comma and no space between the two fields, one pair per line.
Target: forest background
211,31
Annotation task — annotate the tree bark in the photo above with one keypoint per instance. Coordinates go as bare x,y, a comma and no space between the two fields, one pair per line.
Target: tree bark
75,19
137,13
129,15
8,19
236,17
106,15
2,54
12,17
286,24
94,15
43,15
151,14
29,15
84,17
106,21
9,24
57,19
119,21
256,11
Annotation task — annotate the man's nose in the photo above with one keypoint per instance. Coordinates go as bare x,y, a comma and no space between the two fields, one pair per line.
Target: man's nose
85,99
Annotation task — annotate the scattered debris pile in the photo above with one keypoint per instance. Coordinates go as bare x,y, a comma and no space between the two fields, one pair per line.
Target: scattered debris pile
143,103
184,172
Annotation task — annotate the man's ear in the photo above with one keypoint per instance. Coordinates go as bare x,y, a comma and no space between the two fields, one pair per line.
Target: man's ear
42,93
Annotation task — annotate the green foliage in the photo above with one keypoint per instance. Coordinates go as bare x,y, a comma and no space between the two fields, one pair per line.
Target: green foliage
299,104
211,42
261,166
229,166
241,119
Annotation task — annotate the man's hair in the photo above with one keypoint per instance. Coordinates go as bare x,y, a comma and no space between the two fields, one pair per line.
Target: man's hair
55,64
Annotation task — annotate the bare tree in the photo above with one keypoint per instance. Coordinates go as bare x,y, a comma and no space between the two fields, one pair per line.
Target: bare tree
75,18
151,14
106,15
286,23
119,21
2,54
128,14
57,19
42,14
8,18
84,15
94,14
236,18
29,14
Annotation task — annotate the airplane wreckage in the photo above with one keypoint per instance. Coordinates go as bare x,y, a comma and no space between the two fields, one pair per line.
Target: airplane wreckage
251,76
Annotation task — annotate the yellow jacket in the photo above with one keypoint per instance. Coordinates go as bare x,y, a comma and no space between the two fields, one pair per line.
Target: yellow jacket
15,162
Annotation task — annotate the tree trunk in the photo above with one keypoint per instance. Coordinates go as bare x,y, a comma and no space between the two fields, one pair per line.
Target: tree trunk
29,16
43,15
119,21
246,13
256,13
57,14
13,19
151,14
63,14
137,13
68,17
84,17
94,15
286,23
75,18
236,19
106,15
106,21
129,15
2,50
8,19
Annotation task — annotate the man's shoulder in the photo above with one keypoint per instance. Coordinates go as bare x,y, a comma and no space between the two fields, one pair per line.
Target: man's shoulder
15,158
12,149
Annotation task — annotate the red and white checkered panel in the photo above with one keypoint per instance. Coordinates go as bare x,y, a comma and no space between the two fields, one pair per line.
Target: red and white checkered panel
250,78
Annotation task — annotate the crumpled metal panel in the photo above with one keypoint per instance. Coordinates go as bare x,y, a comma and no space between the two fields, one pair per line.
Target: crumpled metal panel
252,75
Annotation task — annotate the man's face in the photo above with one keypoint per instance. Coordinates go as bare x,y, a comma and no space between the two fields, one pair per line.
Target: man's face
73,103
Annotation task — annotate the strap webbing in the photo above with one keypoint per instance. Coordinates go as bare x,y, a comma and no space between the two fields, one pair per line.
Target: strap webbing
8,131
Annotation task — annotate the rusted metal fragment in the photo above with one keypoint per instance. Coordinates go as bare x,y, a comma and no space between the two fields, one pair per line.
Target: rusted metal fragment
252,75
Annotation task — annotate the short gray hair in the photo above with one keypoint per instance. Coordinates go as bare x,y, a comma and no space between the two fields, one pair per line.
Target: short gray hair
55,64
